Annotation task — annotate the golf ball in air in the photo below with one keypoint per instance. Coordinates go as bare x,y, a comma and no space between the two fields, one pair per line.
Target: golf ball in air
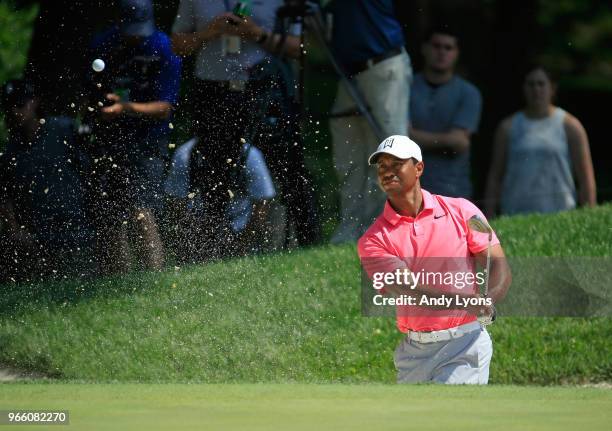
98,65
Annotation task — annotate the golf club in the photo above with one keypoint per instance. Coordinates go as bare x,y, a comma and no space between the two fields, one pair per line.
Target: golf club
479,225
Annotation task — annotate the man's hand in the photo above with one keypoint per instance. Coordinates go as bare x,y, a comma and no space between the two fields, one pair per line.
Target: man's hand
109,113
220,25
188,43
486,319
245,28
500,276
455,139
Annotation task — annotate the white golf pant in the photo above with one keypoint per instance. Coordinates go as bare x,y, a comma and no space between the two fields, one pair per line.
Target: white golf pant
463,360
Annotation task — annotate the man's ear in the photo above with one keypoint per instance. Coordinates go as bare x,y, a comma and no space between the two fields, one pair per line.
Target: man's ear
420,166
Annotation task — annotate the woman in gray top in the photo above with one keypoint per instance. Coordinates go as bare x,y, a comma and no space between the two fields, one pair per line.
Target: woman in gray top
541,157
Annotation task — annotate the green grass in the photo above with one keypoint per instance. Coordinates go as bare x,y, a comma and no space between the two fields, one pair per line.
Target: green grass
582,232
15,33
293,317
321,407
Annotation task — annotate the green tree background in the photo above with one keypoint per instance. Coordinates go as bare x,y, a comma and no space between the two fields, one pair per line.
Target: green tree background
15,33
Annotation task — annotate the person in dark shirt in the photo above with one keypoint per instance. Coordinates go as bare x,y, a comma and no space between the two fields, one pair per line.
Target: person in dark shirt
444,114
41,215
131,103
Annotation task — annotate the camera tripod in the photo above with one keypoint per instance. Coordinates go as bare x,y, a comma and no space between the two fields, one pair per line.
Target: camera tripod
310,16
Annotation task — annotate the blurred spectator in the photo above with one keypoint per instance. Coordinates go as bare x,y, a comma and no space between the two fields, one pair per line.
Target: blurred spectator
42,222
232,97
369,44
444,113
538,153
131,102
279,136
246,213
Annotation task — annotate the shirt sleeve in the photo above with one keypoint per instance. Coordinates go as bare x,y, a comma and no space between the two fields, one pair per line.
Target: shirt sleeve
169,80
477,241
468,114
185,21
376,258
259,181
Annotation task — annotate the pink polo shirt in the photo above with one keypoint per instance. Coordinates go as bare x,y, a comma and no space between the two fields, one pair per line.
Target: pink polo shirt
437,239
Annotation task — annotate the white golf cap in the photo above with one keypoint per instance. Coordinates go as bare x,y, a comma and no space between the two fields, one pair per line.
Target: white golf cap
399,146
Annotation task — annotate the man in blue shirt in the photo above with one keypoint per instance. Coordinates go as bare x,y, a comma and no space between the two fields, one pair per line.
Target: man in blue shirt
132,100
368,42
444,113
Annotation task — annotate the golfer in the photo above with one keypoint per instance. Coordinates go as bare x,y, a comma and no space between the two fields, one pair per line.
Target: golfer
417,231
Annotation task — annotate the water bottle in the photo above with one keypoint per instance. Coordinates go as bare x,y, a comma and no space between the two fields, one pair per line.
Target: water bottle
232,44
242,9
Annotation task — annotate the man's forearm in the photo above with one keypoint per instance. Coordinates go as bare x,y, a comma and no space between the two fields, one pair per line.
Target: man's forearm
500,279
290,45
454,140
186,43
157,110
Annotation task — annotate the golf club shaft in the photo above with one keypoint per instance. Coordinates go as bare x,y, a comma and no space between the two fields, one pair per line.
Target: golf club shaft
486,292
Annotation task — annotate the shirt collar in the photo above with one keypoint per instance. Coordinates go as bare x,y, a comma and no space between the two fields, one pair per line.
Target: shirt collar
393,217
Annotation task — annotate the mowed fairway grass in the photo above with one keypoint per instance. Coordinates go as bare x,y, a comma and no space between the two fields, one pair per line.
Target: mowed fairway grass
319,407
